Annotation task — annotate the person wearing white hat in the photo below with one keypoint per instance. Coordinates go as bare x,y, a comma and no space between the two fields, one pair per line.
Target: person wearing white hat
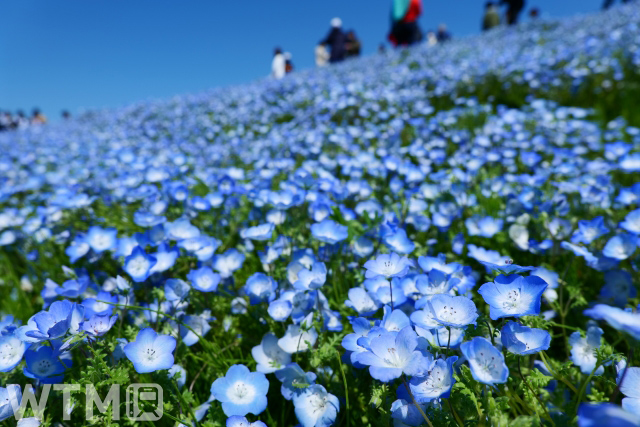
337,40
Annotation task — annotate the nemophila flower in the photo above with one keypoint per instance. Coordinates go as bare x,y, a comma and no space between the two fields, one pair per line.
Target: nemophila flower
178,373
631,222
166,257
583,350
513,296
392,354
150,351
618,288
508,268
193,327
10,398
588,231
406,412
394,320
329,231
102,239
299,338
605,414
311,279
54,323
73,288
260,288
441,337
44,365
551,278
294,380
99,324
483,226
238,421
314,407
259,232
176,290
181,229
620,247
617,318
486,362
76,250
485,255
269,356
454,311
388,265
241,392
520,339
228,262
436,382
399,242
629,382
102,304
122,285
204,279
280,310
579,251
11,351
28,422
138,265
361,301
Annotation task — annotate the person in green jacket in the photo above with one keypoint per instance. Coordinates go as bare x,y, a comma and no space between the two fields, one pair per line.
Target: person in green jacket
491,16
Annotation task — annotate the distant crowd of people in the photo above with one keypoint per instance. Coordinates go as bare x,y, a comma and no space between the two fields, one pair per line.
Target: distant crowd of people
10,121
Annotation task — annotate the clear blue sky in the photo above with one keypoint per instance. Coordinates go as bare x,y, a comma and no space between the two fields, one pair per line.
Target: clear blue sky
58,54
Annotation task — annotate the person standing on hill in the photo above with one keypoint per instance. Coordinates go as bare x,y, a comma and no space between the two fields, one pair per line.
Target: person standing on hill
514,7
279,64
337,40
491,16
353,45
404,22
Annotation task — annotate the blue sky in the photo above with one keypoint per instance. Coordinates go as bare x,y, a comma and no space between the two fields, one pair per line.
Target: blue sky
58,54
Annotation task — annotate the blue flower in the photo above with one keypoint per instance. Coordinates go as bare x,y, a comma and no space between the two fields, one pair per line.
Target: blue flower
166,257
329,231
311,279
73,288
588,231
259,232
99,324
102,304
520,339
392,354
150,352
101,239
583,350
194,327
486,362
631,222
280,309
617,318
10,397
294,380
138,265
53,324
437,381
513,296
11,351
406,412
485,226
388,265
299,338
605,415
630,387
204,279
176,290
76,250
44,365
238,421
260,288
455,311
618,288
314,407
620,247
241,392
399,242
269,356
228,262
361,301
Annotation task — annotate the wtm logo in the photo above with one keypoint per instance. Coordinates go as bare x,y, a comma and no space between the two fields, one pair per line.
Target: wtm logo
144,402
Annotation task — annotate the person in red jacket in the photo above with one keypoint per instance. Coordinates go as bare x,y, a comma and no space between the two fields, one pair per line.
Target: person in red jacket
404,22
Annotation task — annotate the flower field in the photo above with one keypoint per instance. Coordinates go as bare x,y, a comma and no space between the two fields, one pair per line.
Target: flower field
437,236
